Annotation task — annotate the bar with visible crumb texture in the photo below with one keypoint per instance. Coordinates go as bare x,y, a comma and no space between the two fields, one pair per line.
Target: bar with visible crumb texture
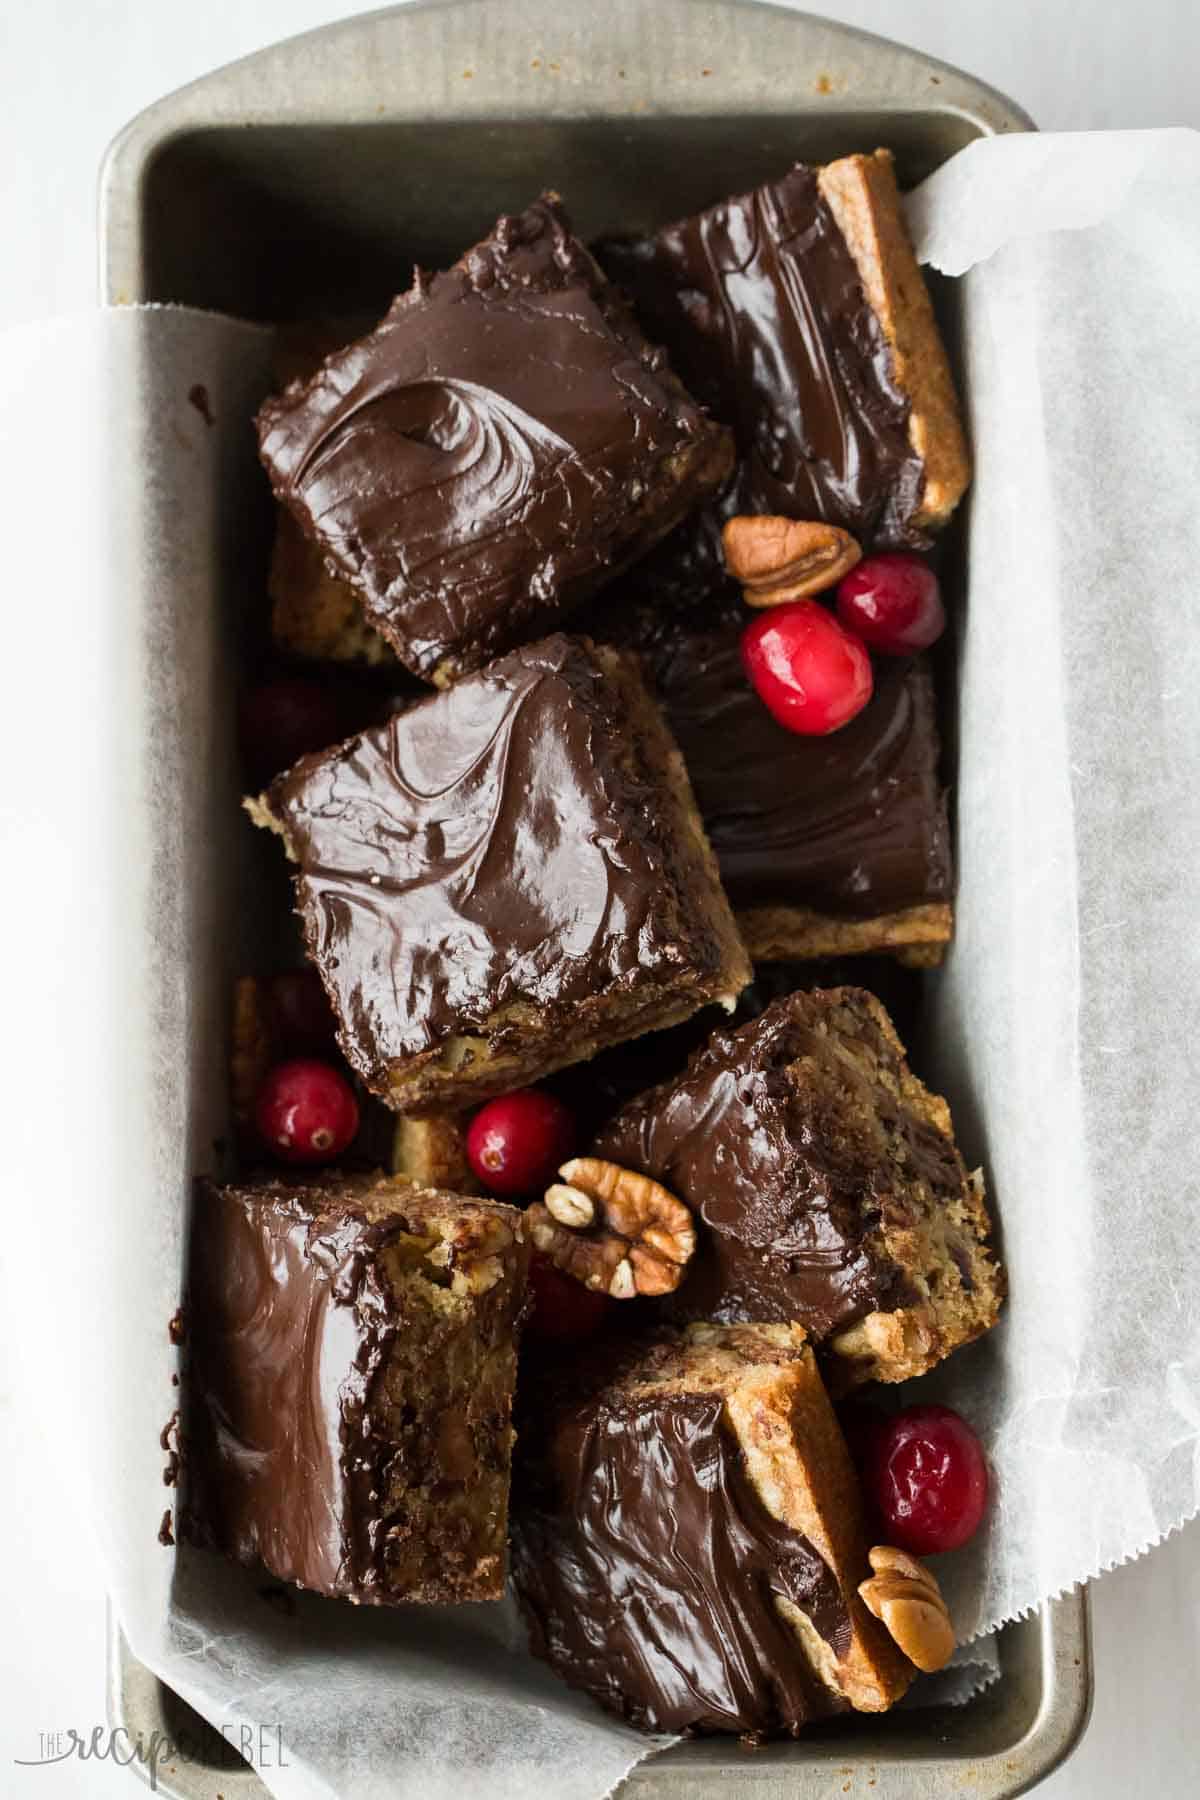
798,315
688,1536
506,878
827,1187
349,1373
491,454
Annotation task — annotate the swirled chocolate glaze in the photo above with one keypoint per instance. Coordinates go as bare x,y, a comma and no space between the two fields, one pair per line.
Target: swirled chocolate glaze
790,1174
491,452
648,1567
850,824
761,307
291,1437
500,842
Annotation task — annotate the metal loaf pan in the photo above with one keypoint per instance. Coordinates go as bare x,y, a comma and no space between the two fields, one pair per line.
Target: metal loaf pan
308,179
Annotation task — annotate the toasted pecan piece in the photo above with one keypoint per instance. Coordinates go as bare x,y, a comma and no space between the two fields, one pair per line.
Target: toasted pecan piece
614,1230
777,559
905,1597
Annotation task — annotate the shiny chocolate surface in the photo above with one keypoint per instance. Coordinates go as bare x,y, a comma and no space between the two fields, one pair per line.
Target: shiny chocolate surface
488,455
789,1186
496,843
648,1568
760,305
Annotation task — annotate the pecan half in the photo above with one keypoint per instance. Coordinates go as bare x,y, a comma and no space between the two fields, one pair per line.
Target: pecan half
783,559
614,1230
906,1599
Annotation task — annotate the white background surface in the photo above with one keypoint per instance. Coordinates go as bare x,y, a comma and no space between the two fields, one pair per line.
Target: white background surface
71,73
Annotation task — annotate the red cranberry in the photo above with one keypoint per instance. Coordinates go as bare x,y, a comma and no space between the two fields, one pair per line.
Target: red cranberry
893,602
516,1143
811,675
302,1013
305,1111
928,1479
562,1307
282,720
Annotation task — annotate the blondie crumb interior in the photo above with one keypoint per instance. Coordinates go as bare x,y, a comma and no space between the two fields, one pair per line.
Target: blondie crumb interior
351,1360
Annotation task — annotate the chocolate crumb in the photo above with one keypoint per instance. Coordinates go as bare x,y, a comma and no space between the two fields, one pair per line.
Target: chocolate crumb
175,1327
165,1535
198,397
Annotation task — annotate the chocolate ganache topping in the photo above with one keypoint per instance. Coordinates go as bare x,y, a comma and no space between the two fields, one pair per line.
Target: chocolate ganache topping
488,454
791,1210
648,1568
348,1382
760,304
852,824
495,843
290,1322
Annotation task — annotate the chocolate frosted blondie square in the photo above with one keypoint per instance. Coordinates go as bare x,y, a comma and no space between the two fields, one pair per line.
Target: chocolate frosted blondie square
506,878
827,846
827,1187
688,1536
351,1359
492,453
797,313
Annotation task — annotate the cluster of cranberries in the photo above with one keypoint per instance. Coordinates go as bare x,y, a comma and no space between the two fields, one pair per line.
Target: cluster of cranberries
812,668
